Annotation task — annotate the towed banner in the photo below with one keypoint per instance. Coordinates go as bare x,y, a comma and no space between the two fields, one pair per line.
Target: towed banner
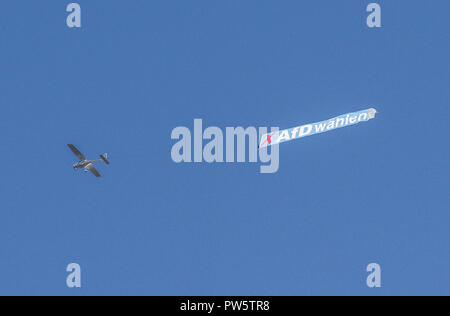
317,128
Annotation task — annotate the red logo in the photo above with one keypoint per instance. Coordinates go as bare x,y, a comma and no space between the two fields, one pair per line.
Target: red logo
268,140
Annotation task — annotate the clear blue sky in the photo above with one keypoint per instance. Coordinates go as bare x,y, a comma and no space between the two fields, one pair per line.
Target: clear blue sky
375,192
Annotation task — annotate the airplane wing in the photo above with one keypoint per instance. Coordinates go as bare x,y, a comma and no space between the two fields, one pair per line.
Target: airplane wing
93,170
76,152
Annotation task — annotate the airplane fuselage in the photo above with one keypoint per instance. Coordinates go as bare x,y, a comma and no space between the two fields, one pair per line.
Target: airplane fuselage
82,164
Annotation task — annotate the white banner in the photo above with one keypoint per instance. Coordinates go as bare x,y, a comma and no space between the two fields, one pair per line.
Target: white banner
317,128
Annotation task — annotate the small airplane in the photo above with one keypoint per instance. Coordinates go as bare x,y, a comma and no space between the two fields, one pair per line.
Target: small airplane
88,165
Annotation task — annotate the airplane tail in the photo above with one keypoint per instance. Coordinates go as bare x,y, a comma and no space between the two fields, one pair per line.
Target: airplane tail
104,157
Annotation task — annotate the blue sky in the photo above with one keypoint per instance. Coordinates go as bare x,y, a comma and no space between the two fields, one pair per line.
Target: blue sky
375,192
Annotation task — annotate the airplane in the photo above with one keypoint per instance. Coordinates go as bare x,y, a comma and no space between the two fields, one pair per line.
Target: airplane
88,165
